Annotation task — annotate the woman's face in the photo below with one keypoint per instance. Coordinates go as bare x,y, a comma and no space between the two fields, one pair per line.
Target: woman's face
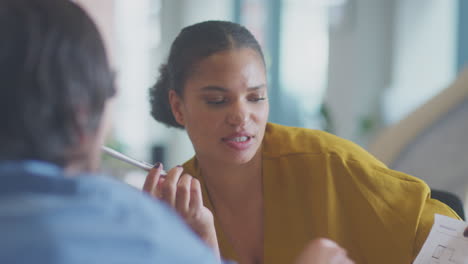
224,107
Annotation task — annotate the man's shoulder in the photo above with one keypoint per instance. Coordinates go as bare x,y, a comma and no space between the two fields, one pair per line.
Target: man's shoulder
159,232
96,216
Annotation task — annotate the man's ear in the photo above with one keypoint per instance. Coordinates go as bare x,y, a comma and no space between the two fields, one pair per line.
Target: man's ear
85,151
176,106
80,125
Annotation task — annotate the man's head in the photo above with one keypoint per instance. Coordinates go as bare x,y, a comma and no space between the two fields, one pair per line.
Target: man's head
54,82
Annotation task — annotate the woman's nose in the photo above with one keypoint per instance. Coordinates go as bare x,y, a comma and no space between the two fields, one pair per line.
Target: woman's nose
238,114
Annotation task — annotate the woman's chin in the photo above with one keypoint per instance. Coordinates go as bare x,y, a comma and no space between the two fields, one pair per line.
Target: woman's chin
237,159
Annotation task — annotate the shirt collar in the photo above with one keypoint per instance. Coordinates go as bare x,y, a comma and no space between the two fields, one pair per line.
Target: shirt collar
32,166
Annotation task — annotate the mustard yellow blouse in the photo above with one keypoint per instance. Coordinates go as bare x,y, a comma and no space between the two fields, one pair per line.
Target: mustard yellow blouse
318,185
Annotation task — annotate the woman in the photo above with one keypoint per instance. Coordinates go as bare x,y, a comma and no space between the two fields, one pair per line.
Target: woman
272,188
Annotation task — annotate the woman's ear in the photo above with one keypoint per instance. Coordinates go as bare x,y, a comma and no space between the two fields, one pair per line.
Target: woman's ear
176,106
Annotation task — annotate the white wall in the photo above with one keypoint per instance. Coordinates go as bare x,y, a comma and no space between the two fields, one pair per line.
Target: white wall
134,41
424,56
359,64
387,58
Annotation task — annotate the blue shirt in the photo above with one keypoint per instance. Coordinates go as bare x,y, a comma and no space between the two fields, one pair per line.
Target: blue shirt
46,217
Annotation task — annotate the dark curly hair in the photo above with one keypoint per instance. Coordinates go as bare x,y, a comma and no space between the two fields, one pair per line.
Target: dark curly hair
193,44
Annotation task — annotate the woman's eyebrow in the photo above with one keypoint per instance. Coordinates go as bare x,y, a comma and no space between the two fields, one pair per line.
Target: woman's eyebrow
258,87
222,89
214,88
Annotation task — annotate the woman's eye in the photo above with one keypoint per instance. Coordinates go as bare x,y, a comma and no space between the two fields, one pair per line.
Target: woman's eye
257,99
215,101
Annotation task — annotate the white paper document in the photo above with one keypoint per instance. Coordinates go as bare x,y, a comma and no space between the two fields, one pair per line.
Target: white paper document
445,243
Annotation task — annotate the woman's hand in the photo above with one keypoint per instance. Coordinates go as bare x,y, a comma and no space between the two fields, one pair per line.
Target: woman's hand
323,251
183,192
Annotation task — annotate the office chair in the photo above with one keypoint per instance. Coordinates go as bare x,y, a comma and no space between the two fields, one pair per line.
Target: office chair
451,200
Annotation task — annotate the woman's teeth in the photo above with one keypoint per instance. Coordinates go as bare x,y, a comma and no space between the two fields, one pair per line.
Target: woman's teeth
239,139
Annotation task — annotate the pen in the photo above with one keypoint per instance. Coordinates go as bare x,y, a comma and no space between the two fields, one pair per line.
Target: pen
140,164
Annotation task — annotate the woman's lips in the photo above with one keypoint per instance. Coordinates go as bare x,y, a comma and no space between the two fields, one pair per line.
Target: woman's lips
238,141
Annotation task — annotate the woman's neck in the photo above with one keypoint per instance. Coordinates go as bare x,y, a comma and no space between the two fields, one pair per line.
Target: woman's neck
230,185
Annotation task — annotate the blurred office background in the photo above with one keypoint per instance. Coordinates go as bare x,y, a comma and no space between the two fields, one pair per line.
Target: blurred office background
352,67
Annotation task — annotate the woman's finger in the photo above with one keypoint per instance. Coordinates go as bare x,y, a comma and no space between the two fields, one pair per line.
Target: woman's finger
183,194
196,200
158,192
152,179
169,186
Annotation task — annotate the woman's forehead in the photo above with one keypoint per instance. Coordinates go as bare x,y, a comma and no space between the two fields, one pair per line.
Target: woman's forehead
243,66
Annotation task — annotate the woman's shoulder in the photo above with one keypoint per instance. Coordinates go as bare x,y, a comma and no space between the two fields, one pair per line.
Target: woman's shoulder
341,159
284,140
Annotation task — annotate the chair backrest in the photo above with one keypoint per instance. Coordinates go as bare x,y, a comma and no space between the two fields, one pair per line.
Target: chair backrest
451,200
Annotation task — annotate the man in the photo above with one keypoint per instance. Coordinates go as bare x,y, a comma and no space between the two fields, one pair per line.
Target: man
55,85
